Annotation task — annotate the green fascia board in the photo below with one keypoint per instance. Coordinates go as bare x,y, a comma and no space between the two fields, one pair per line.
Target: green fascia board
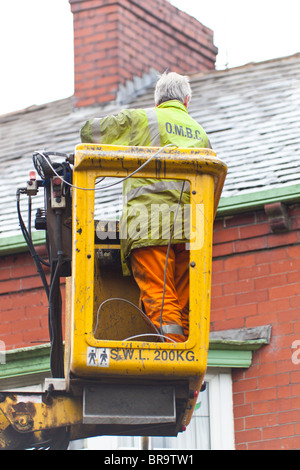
231,353
22,366
231,358
17,243
258,199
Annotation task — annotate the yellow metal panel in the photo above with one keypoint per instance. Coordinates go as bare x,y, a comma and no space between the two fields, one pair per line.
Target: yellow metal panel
96,358
31,413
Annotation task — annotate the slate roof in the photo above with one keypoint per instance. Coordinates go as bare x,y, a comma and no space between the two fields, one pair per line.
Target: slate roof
251,113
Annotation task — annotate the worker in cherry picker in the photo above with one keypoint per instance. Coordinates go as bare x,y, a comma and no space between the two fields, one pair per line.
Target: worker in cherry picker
144,236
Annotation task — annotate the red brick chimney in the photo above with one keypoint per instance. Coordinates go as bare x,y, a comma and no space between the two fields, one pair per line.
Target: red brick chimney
119,44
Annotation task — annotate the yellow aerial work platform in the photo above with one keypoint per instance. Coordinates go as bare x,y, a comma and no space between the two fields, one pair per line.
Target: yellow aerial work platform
120,377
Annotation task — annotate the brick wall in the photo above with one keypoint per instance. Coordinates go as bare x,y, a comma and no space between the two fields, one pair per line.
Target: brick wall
23,302
255,282
115,41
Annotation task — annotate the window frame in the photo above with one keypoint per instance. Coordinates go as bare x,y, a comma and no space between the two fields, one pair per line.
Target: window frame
221,417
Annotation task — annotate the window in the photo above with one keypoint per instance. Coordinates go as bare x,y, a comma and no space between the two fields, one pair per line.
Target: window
221,410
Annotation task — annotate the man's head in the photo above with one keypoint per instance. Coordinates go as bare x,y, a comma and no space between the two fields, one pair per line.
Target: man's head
172,86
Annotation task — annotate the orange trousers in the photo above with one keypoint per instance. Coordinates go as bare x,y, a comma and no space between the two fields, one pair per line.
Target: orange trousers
148,267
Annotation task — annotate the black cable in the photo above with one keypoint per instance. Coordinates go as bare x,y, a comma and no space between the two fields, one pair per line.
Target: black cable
30,245
45,263
54,308
52,292
29,215
55,305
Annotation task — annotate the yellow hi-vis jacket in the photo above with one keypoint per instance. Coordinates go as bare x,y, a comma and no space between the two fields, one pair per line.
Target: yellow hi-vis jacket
149,202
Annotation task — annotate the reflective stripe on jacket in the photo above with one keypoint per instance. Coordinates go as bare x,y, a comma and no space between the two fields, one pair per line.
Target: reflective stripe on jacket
150,204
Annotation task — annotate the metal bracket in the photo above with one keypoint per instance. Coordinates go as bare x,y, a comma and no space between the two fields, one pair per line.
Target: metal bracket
128,404
278,217
57,385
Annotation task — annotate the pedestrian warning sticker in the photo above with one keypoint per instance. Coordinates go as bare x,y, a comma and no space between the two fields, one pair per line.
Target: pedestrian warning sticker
97,357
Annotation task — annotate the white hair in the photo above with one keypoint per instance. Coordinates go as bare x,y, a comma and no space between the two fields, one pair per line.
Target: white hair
172,86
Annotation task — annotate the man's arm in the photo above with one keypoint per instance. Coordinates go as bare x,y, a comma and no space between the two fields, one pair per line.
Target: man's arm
108,130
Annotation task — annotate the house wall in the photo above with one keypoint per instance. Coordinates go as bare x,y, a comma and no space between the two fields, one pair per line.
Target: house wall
255,282
23,304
